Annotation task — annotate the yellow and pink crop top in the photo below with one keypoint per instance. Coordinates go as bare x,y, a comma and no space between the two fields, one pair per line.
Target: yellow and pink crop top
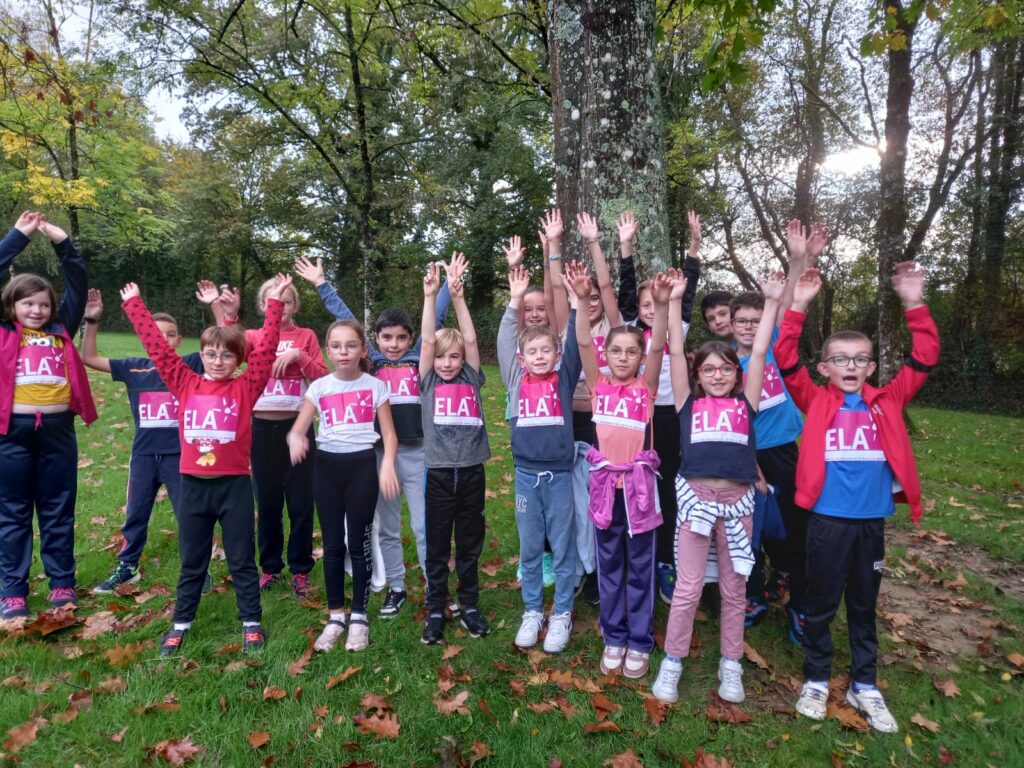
41,375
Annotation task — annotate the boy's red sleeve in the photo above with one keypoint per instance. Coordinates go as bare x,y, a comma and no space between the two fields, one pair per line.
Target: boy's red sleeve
311,358
924,354
169,365
261,358
787,356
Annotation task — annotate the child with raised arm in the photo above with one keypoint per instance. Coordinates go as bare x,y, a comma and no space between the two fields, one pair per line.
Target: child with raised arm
456,447
276,480
637,306
215,434
540,381
855,457
623,501
156,452
346,484
395,361
43,386
714,489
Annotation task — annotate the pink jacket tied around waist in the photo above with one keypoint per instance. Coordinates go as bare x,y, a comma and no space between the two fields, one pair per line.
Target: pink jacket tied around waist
638,488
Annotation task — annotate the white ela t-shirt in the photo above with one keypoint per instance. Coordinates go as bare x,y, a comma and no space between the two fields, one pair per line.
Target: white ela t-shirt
347,410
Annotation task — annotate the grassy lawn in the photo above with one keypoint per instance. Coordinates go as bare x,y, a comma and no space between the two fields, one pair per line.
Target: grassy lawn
73,698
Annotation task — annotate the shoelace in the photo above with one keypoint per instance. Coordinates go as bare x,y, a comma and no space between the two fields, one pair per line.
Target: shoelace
14,603
173,641
62,593
873,702
254,636
731,676
671,675
816,695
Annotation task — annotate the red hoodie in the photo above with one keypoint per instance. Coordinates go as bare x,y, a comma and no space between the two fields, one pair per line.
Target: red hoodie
215,428
821,403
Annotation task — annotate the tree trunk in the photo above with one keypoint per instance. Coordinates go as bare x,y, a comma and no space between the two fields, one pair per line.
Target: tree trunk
609,142
892,217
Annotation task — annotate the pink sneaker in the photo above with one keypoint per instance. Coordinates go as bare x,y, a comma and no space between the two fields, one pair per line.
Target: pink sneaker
300,583
13,608
267,580
62,597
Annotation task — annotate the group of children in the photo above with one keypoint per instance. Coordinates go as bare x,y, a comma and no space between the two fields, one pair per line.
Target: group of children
649,488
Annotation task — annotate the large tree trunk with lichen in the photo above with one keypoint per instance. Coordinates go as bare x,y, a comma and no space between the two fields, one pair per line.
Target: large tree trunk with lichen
609,143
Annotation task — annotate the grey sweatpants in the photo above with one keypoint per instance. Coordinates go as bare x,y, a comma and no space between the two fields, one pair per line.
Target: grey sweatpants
409,468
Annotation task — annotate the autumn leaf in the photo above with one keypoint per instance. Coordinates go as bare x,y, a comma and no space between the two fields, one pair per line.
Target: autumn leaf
945,756
478,752
947,688
656,709
627,759
51,621
258,739
721,711
383,725
298,666
1016,659
450,652
113,685
230,648
452,705
20,736
603,706
704,759
374,701
274,693
14,681
169,704
122,655
605,726
518,687
956,584
485,708
755,657
98,624
342,677
847,717
118,737
541,707
176,752
924,722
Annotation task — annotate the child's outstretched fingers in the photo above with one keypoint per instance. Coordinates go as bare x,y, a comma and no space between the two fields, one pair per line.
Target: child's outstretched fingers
908,283
281,283
796,239
230,299
130,291
27,223
587,226
816,243
93,304
626,226
661,288
678,282
518,282
514,251
693,219
774,285
431,280
578,279
207,292
807,286
307,270
552,224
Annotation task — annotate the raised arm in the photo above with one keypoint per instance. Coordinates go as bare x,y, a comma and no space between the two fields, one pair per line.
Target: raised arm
549,290
93,313
678,369
428,332
454,270
661,290
773,289
314,273
207,293
514,255
908,283
587,226
579,281
552,226
169,365
508,329
72,265
691,265
627,299
261,358
798,381
17,239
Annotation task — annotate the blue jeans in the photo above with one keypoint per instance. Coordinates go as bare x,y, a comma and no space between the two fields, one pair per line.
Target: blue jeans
544,507
146,473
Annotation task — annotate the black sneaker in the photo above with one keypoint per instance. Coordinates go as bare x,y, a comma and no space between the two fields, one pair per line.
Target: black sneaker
433,629
392,603
253,638
591,594
123,574
777,589
474,622
172,641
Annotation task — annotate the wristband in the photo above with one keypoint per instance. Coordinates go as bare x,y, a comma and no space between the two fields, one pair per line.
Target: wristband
91,320
554,257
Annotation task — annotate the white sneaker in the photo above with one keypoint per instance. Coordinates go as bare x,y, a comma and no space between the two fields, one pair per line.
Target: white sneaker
559,629
730,673
330,636
813,701
526,637
666,685
358,635
871,703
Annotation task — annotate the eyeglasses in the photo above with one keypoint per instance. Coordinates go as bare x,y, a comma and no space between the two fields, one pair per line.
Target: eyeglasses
726,369
630,353
225,357
841,361
351,346
746,322
595,298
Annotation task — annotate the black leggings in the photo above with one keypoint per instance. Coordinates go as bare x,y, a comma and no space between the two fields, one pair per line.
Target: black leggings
345,487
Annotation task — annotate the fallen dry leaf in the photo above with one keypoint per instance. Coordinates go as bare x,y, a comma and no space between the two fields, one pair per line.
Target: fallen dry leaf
374,701
51,621
627,759
118,737
383,725
721,711
230,648
605,726
113,685
947,688
656,709
755,657
945,756
485,708
274,693
1016,659
176,752
603,706
541,707
99,624
847,717
478,752
298,666
924,722
450,652
704,759
342,677
122,655
452,705
20,736
169,704
15,681
258,739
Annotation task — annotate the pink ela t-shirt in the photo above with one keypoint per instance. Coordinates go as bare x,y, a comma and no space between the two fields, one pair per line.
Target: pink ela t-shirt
347,410
403,384
622,414
539,402
720,420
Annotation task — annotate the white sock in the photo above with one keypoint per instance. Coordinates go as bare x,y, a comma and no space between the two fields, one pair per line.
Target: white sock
337,617
361,616
250,623
186,625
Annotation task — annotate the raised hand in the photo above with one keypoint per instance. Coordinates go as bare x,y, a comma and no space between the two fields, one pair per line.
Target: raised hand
28,223
587,226
816,243
796,239
455,269
281,284
908,282
678,282
310,271
514,251
432,279
518,282
52,231
773,286
130,291
578,279
806,288
693,219
551,224
207,291
661,288
231,299
94,304
626,226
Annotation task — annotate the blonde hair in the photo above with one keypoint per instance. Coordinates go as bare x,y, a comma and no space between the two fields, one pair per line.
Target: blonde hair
446,339
261,297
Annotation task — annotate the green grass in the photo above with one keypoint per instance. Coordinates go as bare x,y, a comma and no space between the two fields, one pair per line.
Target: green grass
975,460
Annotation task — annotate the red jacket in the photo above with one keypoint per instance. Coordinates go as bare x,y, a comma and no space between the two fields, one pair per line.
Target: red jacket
821,403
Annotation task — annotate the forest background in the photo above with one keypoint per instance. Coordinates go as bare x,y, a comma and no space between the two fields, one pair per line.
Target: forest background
379,134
